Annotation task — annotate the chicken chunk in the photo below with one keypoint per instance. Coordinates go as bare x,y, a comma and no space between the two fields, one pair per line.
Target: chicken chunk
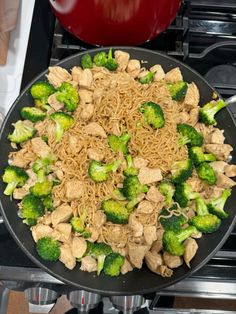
97,94
230,170
40,230
219,166
149,175
172,261
57,75
193,116
140,162
94,234
95,154
40,148
195,183
174,76
150,234
192,96
158,71
153,260
221,151
74,189
122,58
223,181
88,264
204,129
164,271
65,230
99,219
61,214
86,96
83,77
66,256
160,233
78,247
157,246
87,111
116,130
19,193
144,207
191,247
133,68
135,226
95,129
183,117
215,137
212,192
23,157
46,219
136,253
75,144
126,267
54,103
153,195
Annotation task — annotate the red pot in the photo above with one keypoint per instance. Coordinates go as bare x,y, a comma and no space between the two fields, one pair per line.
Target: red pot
115,22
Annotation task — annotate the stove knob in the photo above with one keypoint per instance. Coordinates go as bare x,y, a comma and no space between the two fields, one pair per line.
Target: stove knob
84,300
127,304
40,296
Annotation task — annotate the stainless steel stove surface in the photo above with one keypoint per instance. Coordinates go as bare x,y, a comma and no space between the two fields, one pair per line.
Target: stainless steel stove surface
203,35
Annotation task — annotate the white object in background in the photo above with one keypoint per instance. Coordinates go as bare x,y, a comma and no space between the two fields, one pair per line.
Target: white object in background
11,73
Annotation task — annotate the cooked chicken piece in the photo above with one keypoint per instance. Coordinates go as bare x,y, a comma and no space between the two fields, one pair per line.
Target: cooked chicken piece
116,128
137,253
65,230
95,154
76,73
75,144
66,256
40,148
143,73
19,193
40,230
174,76
83,77
150,234
46,219
221,151
74,189
172,261
61,214
204,129
144,207
212,192
94,234
116,235
193,116
183,117
88,264
99,219
140,162
133,68
54,103
196,235
154,195
157,246
160,232
22,157
122,58
97,94
153,260
230,170
86,96
159,73
191,247
87,111
164,271
95,129
218,165
149,175
190,213
59,174
135,226
57,75
215,137
192,96
195,183
223,181
78,247
126,267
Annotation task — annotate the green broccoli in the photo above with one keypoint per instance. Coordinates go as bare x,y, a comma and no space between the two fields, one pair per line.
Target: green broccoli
48,249
99,172
132,188
42,189
173,241
208,111
188,135
167,189
100,251
111,63
130,169
216,205
181,170
68,95
86,61
32,209
174,222
23,131
33,114
204,221
197,155
148,78
14,177
100,59
78,224
153,114
63,122
40,91
206,173
48,202
184,194
115,211
113,263
177,90
119,143
42,167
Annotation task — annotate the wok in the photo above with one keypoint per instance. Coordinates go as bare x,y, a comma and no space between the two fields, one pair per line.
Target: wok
138,281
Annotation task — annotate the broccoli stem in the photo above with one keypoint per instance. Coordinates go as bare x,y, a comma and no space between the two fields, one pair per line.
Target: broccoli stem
185,233
10,188
101,259
201,207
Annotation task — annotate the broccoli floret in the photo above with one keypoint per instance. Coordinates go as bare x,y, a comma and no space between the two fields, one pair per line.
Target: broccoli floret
40,91
63,122
119,143
23,131
130,169
167,189
14,177
99,172
206,173
189,135
48,249
68,95
100,59
111,63
113,263
184,194
181,170
208,111
153,114
177,90
79,225
33,114
32,209
86,61
48,202
115,211
132,188
204,221
173,241
42,167
148,78
100,251
42,189
198,156
216,206
174,222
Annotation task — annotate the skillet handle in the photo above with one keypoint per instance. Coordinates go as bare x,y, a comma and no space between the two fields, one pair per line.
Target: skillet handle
1,118
231,99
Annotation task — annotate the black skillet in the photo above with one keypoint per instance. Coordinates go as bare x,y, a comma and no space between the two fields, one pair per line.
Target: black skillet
138,281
